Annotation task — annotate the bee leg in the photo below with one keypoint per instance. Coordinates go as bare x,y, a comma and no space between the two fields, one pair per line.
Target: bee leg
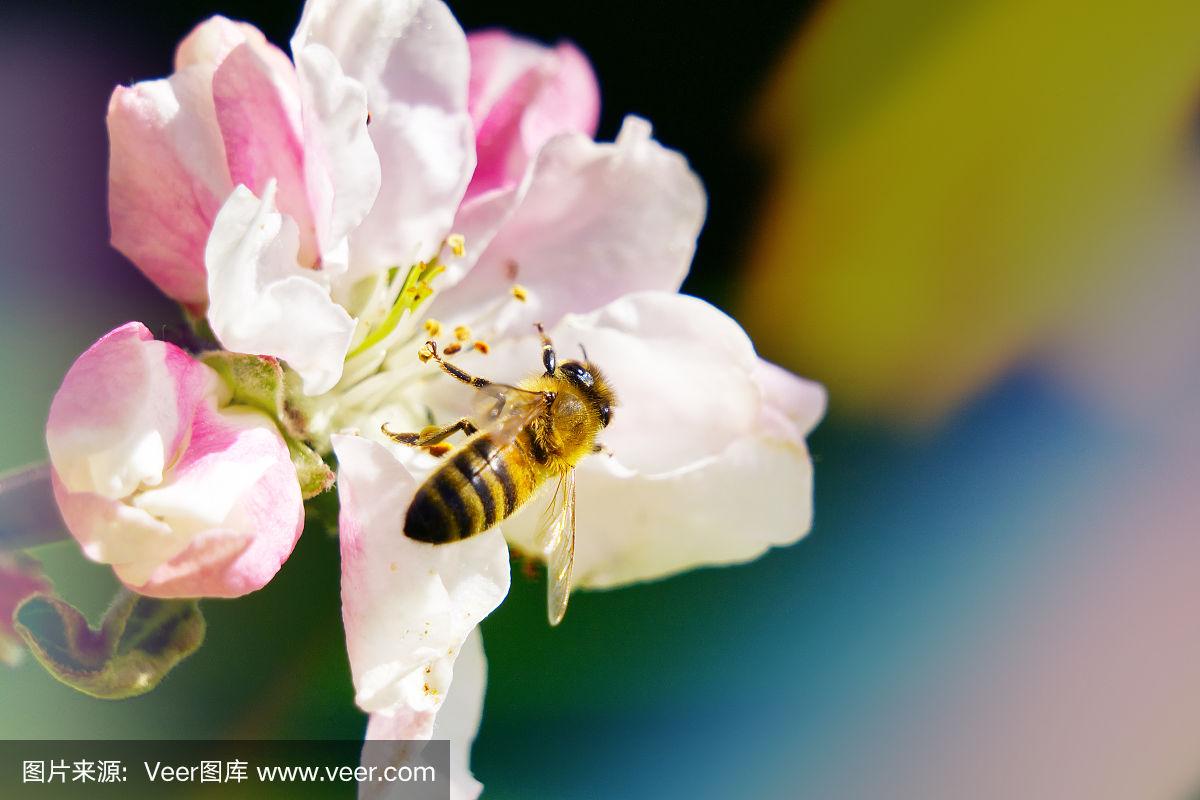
549,359
483,384
431,435
496,390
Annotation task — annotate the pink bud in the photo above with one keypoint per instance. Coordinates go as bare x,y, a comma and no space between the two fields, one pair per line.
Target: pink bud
184,496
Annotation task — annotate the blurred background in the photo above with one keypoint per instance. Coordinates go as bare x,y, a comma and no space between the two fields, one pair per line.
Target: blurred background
978,223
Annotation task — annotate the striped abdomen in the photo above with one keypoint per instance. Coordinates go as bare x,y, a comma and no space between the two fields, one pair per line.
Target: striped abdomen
477,486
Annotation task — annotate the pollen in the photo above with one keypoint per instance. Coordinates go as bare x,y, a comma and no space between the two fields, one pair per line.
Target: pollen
482,346
433,327
462,333
520,292
425,353
440,449
458,244
452,348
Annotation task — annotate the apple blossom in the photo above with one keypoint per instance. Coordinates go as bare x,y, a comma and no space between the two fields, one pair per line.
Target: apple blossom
155,474
395,180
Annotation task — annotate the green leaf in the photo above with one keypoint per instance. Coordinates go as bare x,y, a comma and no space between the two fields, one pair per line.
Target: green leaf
138,642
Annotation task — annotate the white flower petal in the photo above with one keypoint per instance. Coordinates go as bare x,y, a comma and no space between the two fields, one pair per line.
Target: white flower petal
263,302
793,405
113,532
412,58
754,495
457,721
407,606
682,372
709,462
590,223
340,161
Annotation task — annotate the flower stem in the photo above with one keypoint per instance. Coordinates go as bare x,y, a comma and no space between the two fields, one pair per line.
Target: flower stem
28,513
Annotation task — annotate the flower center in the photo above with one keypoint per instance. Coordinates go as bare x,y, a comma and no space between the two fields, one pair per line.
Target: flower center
382,368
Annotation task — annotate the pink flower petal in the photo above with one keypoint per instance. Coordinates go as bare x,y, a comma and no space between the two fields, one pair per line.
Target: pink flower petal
521,95
257,100
167,178
208,43
412,59
167,170
234,494
407,606
591,223
122,412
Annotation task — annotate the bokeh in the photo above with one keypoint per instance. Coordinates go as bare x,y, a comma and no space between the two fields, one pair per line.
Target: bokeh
977,223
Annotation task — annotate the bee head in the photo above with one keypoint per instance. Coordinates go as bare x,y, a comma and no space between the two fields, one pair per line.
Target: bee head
590,382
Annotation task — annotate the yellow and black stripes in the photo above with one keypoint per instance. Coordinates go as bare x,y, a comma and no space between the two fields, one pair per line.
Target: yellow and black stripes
476,487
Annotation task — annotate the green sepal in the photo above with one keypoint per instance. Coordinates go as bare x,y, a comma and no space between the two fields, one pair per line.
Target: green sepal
314,474
262,382
259,382
138,642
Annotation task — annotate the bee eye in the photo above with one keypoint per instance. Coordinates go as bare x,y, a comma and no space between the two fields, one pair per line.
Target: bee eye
578,373
605,415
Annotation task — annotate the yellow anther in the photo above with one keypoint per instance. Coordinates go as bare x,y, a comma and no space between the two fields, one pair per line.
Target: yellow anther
425,353
458,244
520,292
462,333
419,292
482,346
433,327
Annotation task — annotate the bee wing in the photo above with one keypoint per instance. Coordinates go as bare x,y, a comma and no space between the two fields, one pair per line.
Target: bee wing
505,413
556,540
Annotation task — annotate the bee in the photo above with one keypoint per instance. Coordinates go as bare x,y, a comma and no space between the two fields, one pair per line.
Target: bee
527,435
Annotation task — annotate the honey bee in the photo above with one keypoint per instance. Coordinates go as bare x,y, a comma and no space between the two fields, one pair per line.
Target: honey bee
527,435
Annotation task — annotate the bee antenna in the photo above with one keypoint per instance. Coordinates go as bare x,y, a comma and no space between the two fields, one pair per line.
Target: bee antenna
583,350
